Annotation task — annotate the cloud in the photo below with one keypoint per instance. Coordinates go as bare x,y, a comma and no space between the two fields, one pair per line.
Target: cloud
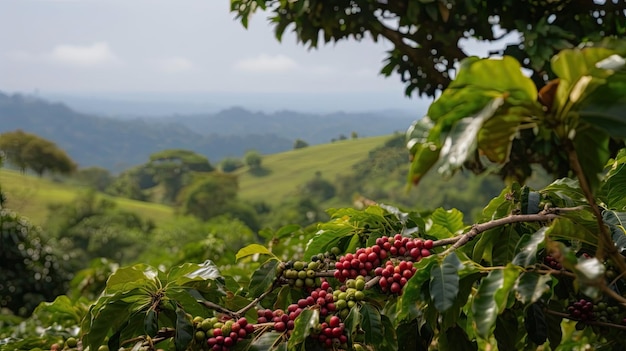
264,63
96,54
174,64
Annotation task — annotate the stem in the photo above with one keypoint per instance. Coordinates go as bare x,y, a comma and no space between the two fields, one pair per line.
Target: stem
372,282
477,229
219,308
255,301
598,323
605,242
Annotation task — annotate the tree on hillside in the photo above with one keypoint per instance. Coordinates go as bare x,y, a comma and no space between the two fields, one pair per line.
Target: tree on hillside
208,196
230,164
95,177
171,169
299,144
253,159
28,151
427,36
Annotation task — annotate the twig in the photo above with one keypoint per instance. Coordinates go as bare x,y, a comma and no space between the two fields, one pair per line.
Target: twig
598,323
482,227
605,242
258,299
219,308
372,282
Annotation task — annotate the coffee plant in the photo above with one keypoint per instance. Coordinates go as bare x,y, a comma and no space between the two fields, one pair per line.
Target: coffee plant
542,269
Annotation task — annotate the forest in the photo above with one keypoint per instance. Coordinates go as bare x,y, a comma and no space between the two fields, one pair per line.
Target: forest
513,239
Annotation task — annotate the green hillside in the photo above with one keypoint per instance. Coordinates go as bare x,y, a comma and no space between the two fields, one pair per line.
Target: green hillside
284,172
30,196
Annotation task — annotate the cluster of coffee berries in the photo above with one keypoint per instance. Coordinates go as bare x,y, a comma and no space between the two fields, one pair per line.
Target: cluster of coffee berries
302,274
394,278
552,262
581,310
282,321
322,297
349,295
221,336
331,333
361,263
402,246
603,312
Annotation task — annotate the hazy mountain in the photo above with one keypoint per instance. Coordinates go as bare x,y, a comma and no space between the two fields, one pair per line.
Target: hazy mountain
118,144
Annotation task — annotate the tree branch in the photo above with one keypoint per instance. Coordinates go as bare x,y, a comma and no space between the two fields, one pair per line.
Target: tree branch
605,242
598,323
477,229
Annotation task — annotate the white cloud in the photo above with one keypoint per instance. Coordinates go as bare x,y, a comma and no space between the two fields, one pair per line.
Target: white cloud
96,54
264,63
174,64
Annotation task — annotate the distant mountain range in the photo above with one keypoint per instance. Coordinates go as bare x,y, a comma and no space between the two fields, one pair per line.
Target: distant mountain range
119,143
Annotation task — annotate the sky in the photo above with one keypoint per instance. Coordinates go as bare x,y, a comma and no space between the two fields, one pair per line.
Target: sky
96,47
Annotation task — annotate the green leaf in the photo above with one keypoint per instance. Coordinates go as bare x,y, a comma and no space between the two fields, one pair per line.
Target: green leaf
613,188
456,339
184,298
324,240
462,141
491,298
528,254
253,249
103,316
535,323
450,220
592,147
184,330
505,244
444,282
409,306
192,272
352,322
531,286
129,278
266,342
424,146
263,278
151,323
617,224
304,323
506,330
371,322
61,311
286,230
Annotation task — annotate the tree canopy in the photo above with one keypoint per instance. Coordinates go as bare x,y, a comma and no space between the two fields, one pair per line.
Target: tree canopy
29,151
428,35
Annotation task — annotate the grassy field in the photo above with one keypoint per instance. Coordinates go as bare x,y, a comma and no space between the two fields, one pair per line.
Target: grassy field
30,196
285,171
282,174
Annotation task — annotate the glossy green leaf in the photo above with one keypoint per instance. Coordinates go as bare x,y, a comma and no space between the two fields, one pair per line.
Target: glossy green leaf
62,311
491,298
184,330
391,337
352,322
101,320
444,282
324,240
456,339
451,221
151,322
372,323
613,188
253,249
592,147
531,286
506,330
505,245
263,278
535,323
267,341
409,306
424,146
304,323
528,253
129,278
462,140
193,272
287,230
617,224
183,296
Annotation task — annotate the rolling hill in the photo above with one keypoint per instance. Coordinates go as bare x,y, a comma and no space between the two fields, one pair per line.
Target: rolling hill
282,173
